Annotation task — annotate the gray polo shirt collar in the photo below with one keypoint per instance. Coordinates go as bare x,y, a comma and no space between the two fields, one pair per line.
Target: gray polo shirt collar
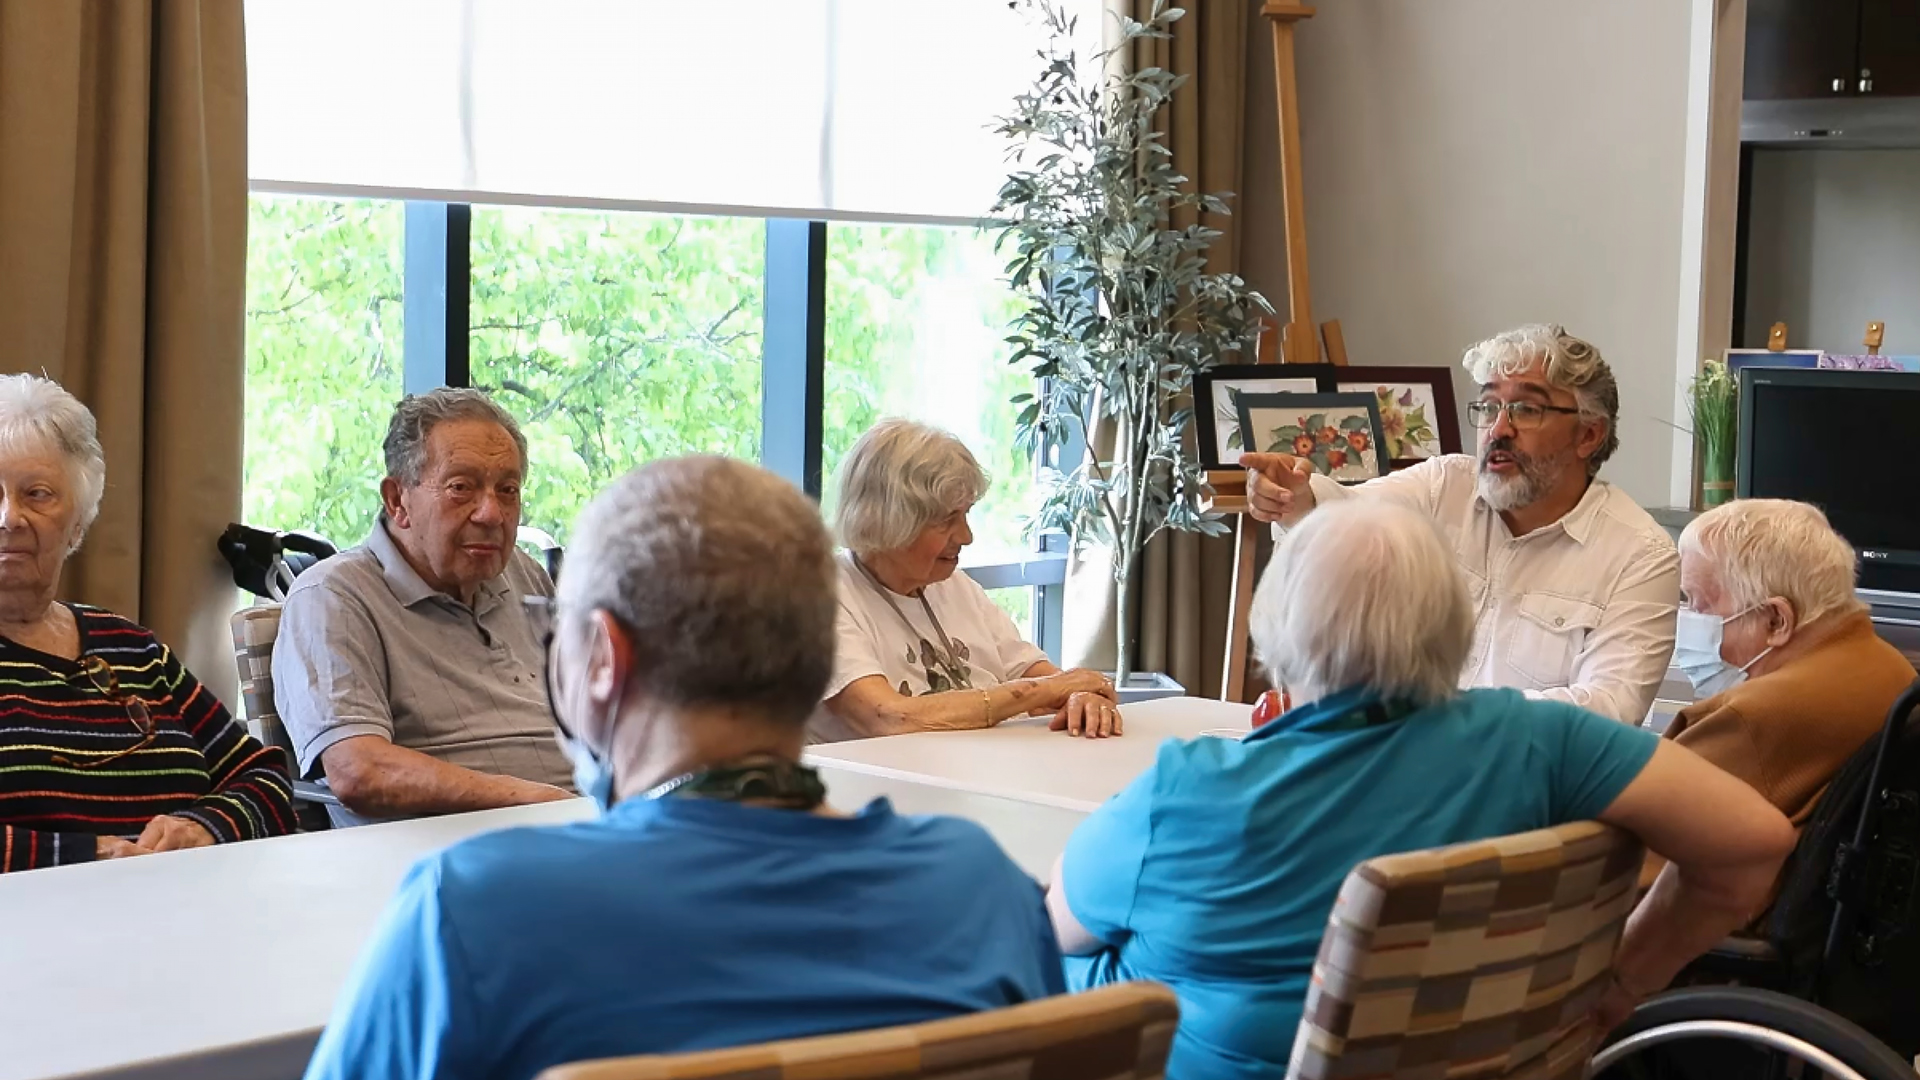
407,584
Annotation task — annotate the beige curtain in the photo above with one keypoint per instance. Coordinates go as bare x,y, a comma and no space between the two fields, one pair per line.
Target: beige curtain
123,216
1185,579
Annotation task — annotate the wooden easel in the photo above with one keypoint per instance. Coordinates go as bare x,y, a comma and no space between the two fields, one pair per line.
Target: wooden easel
1296,339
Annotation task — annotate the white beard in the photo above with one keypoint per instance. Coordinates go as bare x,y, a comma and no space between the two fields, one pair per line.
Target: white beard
1505,493
1535,479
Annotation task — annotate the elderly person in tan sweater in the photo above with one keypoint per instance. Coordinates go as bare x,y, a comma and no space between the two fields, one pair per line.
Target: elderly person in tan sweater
1792,679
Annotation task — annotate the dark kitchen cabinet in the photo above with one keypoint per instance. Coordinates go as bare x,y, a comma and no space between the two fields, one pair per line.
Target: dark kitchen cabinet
1832,48
1889,48
1801,48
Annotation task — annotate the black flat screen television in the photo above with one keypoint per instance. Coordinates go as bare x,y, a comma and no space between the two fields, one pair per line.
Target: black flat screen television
1847,442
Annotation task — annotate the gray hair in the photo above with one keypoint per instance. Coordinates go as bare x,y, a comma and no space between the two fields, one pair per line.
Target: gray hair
899,478
1761,548
1363,593
723,574
418,414
1571,364
38,413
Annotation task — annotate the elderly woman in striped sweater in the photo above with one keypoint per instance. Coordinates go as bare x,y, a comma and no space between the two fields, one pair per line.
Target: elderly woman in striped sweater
108,746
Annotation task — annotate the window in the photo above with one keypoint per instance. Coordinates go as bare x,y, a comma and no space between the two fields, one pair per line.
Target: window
632,330
816,107
323,360
616,339
915,321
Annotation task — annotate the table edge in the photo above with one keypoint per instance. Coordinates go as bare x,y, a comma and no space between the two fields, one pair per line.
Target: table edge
886,772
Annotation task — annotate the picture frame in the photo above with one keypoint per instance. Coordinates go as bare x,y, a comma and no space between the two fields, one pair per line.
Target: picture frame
1868,362
1217,412
1339,433
1789,358
1419,419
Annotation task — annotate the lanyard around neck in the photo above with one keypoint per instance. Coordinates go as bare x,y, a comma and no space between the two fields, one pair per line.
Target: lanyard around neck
919,594
1366,714
774,781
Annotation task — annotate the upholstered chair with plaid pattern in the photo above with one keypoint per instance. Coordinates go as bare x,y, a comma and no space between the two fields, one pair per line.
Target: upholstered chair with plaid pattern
1480,959
1116,1033
254,631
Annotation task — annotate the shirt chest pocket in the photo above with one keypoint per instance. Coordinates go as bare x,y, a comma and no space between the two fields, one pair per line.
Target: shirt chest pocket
1547,636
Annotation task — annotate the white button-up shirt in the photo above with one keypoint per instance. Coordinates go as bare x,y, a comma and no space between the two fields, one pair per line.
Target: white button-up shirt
1581,610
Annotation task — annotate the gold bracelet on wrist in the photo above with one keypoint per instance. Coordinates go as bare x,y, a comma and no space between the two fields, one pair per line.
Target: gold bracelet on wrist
986,709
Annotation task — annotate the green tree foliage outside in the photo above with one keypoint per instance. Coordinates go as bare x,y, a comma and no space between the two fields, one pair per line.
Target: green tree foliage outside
615,338
915,321
323,360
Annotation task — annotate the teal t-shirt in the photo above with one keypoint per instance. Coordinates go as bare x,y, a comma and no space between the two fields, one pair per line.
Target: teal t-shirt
1215,871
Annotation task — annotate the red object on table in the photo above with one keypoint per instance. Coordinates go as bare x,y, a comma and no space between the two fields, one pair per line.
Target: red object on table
1268,707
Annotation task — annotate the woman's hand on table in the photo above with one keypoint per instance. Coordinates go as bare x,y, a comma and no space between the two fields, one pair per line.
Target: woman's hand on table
1093,715
1079,680
169,833
1087,704
112,847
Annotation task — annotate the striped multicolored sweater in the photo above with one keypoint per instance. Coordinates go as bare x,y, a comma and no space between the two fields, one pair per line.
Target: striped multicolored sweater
202,764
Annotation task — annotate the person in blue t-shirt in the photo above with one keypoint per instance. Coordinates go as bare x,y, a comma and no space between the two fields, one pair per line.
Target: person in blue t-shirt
716,901
1214,872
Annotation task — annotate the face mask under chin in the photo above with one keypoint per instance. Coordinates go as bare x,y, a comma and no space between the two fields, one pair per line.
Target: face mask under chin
592,770
592,773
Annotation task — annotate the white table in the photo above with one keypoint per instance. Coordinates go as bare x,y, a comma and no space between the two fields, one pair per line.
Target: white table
1028,786
208,964
223,963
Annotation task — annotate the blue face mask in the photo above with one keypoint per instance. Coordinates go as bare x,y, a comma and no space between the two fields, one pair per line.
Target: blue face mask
1696,651
592,775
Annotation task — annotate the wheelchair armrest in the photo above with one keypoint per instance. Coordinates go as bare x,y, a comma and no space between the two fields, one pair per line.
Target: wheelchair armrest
1738,960
1744,948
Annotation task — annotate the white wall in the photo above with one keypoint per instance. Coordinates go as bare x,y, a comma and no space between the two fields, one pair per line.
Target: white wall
1475,164
1833,241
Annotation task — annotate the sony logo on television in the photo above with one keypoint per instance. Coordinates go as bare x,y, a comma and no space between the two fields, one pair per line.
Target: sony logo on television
1866,554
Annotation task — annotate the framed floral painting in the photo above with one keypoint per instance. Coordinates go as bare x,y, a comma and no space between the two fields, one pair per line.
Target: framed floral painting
1418,419
1218,437
1417,415
1339,433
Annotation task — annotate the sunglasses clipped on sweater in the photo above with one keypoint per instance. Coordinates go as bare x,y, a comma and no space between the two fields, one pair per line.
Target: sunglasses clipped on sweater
101,675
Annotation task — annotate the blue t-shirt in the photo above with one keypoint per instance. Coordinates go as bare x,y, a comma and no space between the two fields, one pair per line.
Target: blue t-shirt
685,924
1215,871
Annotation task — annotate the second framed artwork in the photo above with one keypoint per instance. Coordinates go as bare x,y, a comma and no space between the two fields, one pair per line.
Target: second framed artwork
1340,433
1415,406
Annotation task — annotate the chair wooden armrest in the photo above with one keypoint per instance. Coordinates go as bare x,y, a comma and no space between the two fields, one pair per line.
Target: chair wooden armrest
1115,1033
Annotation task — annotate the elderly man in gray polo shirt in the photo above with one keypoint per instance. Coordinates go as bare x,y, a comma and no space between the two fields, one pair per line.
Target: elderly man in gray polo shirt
405,668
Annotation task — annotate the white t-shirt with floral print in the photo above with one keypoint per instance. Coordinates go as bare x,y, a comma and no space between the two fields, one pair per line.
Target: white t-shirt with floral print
870,638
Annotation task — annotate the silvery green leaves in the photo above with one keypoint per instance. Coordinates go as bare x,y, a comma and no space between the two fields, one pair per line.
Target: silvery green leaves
1108,247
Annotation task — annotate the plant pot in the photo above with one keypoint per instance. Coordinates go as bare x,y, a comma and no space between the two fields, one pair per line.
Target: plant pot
1716,475
1148,685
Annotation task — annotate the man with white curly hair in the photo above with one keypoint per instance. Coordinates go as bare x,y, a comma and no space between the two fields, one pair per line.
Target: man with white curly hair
1574,586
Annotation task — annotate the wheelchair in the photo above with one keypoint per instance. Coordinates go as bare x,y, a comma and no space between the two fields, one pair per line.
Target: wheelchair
1833,986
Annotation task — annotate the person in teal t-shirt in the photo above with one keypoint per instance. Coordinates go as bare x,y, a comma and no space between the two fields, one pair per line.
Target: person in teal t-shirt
1215,871
716,901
